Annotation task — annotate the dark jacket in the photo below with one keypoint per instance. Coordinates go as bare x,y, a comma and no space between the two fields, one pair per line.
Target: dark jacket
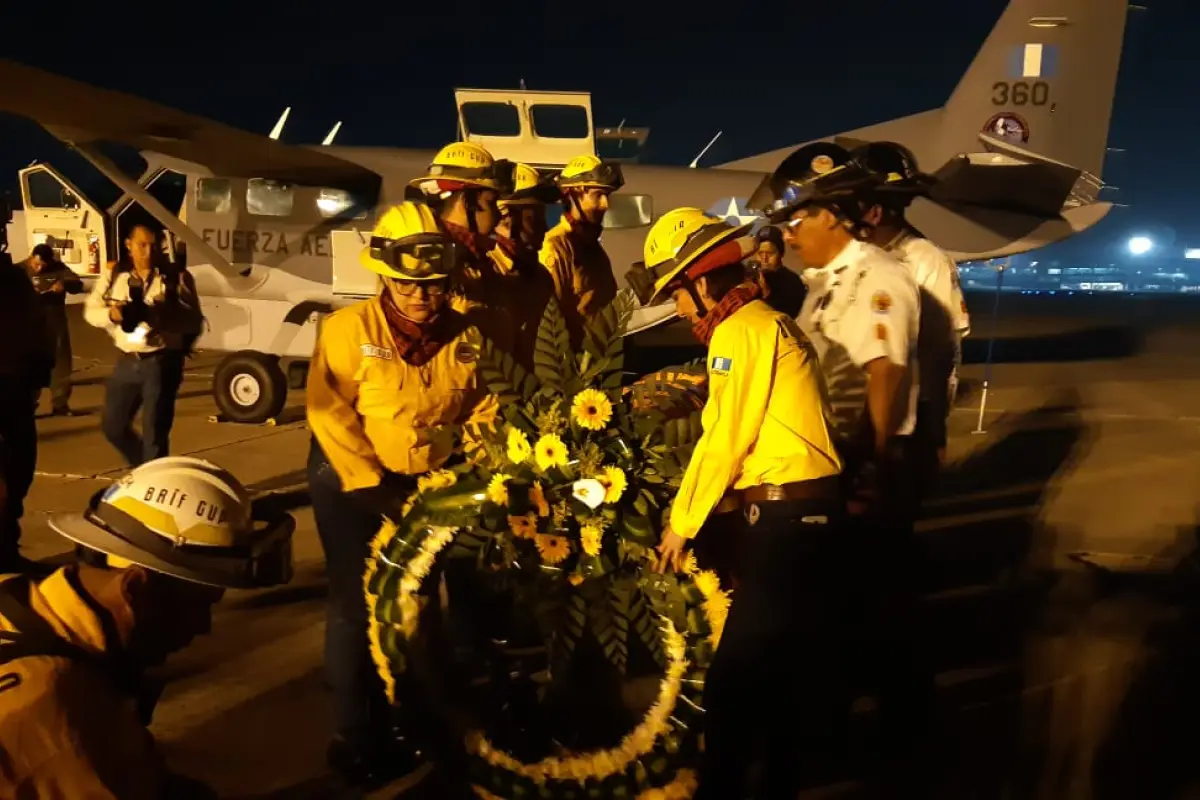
50,274
28,354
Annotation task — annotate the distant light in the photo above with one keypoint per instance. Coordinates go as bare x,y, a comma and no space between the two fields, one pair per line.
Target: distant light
1140,245
1192,252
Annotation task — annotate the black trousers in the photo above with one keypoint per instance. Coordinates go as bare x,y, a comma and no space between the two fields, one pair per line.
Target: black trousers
346,527
891,652
18,460
775,691
150,384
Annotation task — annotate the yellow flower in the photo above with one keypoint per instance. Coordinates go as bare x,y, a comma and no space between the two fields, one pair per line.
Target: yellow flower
554,549
590,537
497,491
524,527
436,480
538,498
690,565
550,452
707,582
518,447
592,409
614,482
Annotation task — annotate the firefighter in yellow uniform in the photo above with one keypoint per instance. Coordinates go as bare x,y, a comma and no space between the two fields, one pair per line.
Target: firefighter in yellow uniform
584,283
389,379
519,237
463,186
770,686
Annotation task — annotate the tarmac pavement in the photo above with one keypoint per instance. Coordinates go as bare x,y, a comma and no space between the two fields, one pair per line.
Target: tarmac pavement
1056,678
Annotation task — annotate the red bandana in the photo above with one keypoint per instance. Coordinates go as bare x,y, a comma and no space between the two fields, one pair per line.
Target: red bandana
738,296
478,245
418,343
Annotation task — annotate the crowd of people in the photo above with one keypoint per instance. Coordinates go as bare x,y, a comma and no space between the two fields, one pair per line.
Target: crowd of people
823,429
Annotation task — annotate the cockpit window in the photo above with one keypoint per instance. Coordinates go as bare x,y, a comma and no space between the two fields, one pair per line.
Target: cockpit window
629,210
268,198
559,121
340,203
491,119
213,195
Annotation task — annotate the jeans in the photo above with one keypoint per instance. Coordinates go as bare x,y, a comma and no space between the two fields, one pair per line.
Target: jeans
151,384
346,528
775,691
60,377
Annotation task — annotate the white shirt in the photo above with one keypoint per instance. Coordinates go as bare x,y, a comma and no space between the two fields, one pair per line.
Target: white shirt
936,274
862,306
113,288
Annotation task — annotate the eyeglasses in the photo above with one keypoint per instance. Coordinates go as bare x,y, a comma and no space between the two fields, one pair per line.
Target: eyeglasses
411,288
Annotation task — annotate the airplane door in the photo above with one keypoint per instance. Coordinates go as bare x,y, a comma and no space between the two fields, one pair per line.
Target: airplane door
533,127
57,214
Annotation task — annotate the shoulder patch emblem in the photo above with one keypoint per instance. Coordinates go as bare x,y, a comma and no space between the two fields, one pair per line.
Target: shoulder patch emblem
375,351
881,302
821,164
465,353
720,365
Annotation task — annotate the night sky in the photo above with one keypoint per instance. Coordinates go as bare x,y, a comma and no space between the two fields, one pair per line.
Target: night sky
767,74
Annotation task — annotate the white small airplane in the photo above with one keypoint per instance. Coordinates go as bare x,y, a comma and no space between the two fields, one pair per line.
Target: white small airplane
272,231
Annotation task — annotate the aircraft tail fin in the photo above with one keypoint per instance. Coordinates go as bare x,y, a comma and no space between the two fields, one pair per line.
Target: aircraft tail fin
1044,80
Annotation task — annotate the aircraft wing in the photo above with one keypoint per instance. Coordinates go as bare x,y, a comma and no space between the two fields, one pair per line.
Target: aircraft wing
79,114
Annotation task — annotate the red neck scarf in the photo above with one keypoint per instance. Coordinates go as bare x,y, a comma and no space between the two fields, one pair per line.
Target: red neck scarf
418,343
478,244
737,297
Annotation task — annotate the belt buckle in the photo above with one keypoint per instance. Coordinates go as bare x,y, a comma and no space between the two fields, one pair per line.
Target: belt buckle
753,512
774,493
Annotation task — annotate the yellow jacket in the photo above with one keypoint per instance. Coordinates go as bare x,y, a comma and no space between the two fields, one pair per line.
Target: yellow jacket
764,421
524,290
582,273
67,732
370,411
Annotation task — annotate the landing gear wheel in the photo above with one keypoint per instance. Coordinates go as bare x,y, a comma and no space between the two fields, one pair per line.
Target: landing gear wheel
249,387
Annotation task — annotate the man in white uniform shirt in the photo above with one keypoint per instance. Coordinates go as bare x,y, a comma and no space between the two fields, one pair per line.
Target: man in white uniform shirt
153,316
944,318
862,314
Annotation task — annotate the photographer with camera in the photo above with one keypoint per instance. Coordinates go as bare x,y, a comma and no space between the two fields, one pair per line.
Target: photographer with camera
53,280
153,315
25,363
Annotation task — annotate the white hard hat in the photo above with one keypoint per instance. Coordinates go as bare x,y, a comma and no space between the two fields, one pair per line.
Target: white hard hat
188,518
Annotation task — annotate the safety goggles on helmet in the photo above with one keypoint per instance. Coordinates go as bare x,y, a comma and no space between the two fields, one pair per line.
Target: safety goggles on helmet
425,256
602,176
264,560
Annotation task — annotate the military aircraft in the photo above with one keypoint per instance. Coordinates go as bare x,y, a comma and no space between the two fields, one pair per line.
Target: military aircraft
272,231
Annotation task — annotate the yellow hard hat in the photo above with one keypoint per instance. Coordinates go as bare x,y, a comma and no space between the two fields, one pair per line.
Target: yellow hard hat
529,188
462,165
409,245
589,172
676,241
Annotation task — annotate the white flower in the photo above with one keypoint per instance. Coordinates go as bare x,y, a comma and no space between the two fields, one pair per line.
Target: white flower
589,491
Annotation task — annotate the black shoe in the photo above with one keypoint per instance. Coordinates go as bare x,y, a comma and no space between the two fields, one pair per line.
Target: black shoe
370,769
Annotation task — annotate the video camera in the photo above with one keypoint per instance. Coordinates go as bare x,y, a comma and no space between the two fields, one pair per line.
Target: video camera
135,311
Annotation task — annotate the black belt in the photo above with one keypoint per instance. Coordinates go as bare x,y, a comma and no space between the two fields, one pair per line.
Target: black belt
817,489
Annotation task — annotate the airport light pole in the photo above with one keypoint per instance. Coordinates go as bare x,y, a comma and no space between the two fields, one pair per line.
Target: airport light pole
987,366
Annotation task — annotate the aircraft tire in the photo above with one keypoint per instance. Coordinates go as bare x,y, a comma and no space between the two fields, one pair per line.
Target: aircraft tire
249,387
